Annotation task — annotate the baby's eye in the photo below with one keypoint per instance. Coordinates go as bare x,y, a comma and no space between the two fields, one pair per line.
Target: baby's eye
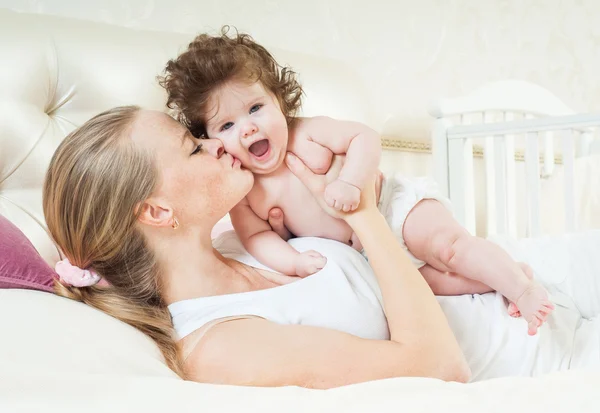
226,126
255,108
197,150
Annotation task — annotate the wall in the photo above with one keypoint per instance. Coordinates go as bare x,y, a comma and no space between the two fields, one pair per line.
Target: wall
408,52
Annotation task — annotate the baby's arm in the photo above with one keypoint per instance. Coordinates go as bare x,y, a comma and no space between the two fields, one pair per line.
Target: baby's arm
270,249
362,147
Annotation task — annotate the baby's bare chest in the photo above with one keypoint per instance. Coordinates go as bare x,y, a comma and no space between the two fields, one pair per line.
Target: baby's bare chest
302,214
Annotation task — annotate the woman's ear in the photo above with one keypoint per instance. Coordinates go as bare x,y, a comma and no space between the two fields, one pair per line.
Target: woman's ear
155,213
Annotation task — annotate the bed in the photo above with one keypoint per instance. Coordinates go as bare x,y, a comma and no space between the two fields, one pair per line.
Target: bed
57,355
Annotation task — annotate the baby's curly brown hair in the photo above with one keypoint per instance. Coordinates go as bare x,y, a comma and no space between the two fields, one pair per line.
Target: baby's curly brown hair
211,61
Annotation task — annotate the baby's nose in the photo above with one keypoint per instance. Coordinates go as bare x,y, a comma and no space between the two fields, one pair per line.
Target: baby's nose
249,129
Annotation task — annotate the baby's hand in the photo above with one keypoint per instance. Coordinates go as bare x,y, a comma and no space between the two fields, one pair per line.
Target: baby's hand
342,196
309,262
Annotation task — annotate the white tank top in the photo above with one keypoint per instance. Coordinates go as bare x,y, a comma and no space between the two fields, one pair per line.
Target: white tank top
343,296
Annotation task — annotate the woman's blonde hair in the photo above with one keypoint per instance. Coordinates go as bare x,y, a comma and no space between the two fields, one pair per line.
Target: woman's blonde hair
95,181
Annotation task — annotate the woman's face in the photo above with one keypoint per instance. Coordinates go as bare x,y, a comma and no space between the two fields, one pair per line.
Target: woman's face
197,179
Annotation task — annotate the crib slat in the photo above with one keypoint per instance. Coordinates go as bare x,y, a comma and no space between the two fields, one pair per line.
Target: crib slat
548,153
511,184
532,174
500,164
439,152
490,179
469,180
583,143
460,159
569,177
469,187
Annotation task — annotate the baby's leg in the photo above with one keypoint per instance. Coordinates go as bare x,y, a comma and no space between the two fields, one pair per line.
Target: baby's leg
432,235
445,283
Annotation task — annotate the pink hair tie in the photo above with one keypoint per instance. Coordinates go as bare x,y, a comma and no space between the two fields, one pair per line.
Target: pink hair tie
73,275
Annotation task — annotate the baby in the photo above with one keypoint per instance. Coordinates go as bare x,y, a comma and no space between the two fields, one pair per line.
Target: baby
232,89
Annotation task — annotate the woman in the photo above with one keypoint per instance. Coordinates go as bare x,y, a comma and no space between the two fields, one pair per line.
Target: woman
131,198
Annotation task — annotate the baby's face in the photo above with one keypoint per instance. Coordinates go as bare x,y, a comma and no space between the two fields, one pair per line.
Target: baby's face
249,122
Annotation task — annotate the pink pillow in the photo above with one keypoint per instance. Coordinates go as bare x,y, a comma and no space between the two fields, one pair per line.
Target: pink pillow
20,264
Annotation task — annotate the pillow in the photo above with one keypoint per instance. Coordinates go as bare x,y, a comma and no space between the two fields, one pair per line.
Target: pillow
48,336
20,264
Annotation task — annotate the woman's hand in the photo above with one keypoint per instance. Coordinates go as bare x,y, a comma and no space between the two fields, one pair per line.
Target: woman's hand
317,184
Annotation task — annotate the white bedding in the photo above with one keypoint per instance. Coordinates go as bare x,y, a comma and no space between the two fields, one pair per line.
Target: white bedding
57,355
497,345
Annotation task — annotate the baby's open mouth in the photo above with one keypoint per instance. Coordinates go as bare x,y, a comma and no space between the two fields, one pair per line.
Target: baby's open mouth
259,148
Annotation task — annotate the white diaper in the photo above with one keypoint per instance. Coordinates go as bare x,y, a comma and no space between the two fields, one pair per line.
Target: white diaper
399,195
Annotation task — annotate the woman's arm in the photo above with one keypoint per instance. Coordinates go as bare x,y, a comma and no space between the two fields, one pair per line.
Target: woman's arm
258,352
410,307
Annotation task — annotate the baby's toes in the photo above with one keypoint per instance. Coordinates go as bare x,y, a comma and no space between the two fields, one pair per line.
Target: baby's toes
541,316
547,306
513,310
532,326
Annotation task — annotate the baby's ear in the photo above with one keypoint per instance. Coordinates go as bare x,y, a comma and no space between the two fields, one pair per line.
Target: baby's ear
154,213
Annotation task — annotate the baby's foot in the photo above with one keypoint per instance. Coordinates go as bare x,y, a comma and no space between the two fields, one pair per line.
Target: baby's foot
534,306
513,310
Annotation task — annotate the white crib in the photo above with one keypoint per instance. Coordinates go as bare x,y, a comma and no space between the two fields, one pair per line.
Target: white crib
505,122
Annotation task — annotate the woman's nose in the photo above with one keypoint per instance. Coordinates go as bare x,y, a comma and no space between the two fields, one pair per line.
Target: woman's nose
214,147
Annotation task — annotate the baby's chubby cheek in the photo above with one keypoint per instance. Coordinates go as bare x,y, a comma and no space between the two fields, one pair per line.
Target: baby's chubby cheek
278,146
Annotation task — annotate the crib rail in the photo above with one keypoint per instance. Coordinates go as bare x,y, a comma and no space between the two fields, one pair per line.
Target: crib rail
453,159
553,123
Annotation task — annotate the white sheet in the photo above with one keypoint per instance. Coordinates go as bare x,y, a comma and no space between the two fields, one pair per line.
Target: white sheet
59,392
497,345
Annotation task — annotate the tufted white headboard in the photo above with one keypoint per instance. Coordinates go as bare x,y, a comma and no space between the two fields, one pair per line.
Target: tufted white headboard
55,73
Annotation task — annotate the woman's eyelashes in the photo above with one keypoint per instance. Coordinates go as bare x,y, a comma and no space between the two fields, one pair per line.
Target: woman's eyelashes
198,149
